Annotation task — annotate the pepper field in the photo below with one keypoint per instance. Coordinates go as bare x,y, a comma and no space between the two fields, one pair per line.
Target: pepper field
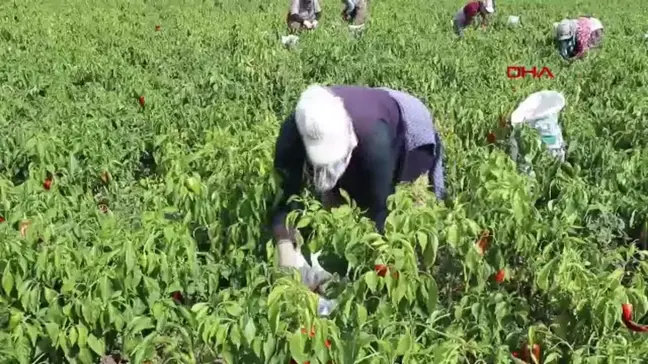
136,181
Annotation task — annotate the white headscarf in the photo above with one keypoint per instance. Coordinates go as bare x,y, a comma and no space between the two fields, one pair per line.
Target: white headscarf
326,177
328,135
490,7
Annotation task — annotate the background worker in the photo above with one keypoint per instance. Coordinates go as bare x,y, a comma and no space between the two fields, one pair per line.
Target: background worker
303,14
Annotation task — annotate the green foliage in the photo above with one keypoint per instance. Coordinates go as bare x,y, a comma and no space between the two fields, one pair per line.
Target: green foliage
191,184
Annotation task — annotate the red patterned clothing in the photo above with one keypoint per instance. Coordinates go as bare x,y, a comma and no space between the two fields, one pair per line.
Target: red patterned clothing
583,36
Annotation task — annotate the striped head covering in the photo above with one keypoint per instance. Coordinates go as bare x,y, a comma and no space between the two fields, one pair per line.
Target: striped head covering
566,29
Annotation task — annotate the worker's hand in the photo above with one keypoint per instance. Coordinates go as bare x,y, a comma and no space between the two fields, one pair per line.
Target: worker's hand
314,279
308,24
314,23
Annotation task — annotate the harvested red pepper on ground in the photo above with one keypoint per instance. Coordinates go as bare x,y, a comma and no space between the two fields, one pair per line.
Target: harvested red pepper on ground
626,317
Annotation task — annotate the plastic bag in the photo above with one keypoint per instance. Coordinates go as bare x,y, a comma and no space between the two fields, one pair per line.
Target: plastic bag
289,40
325,306
513,20
541,111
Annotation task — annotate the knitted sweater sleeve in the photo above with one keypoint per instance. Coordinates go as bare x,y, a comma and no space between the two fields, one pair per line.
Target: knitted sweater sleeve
290,158
380,160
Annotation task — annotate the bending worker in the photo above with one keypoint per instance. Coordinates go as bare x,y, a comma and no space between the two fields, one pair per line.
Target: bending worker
575,37
355,12
360,139
467,14
303,14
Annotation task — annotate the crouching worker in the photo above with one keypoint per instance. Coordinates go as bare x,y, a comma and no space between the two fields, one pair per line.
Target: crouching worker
303,14
355,12
575,37
466,15
359,139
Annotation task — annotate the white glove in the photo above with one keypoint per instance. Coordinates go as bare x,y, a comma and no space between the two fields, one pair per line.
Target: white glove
308,24
315,260
289,257
314,23
314,279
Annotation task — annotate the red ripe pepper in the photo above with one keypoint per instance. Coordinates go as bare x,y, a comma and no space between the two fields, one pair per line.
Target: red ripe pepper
327,343
626,317
2,219
177,296
47,185
382,271
526,353
536,351
483,242
312,332
500,276
141,100
491,138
